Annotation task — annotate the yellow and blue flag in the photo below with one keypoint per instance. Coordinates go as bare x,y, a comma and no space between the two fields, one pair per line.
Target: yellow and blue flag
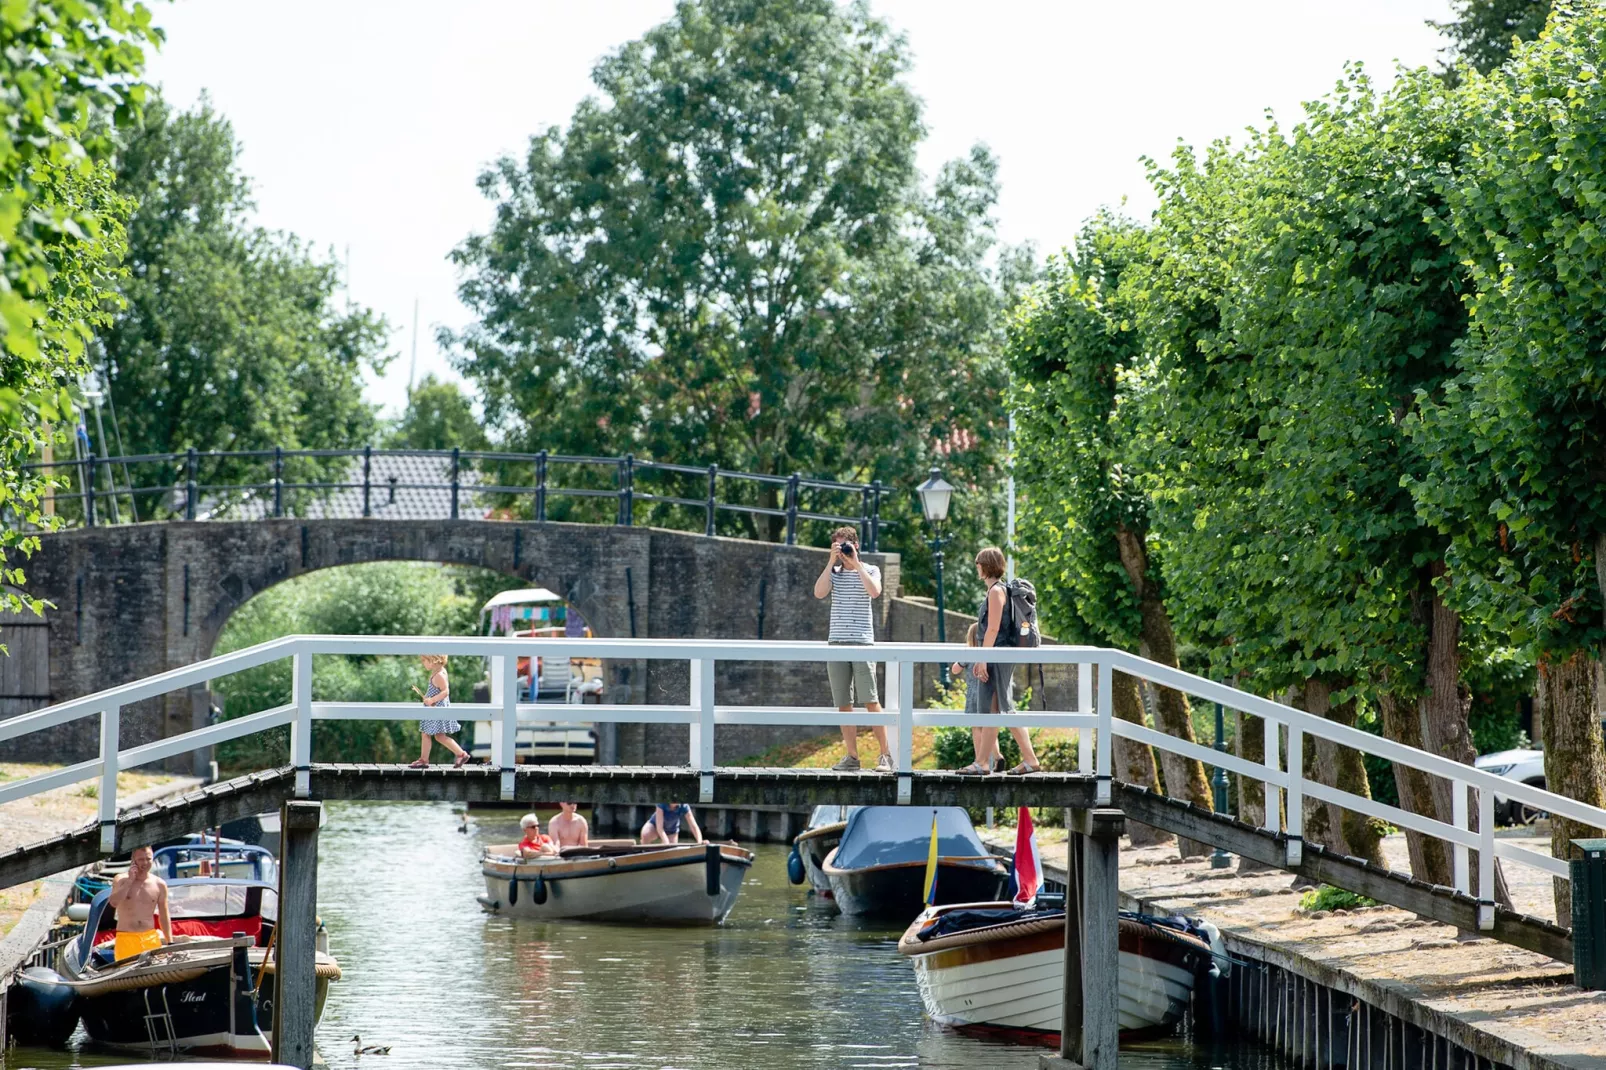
931,864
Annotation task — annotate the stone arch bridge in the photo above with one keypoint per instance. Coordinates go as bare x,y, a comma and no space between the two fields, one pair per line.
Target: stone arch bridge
131,600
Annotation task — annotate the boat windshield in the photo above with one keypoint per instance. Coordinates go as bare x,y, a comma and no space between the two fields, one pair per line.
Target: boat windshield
882,835
830,815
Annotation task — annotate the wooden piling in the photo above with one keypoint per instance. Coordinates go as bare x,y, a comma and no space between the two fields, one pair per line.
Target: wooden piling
1090,1024
295,997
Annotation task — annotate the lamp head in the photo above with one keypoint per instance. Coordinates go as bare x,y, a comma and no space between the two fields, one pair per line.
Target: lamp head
935,495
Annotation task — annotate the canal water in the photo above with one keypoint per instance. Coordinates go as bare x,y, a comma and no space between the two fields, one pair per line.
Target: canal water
785,982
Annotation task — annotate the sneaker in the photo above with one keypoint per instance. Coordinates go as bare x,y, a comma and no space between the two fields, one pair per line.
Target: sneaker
849,764
883,764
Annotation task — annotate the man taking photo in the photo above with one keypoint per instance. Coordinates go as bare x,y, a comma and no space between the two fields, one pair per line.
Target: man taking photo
850,583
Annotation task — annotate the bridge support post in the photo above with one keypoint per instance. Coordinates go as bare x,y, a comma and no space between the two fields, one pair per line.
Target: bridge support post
1089,1018
295,956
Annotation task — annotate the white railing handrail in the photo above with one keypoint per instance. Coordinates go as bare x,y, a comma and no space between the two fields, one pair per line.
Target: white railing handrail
1285,727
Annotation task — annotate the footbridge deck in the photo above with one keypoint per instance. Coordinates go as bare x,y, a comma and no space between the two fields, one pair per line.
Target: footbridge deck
1468,903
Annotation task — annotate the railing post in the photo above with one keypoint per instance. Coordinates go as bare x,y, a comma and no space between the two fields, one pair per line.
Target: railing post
540,487
457,460
1084,704
278,481
89,491
1485,859
110,719
875,516
1458,818
713,478
507,727
701,757
1274,795
189,484
1296,795
367,480
1105,762
902,689
793,484
301,727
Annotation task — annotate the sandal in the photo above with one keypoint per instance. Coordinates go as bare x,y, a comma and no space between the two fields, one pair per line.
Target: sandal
462,760
974,769
1024,769
419,764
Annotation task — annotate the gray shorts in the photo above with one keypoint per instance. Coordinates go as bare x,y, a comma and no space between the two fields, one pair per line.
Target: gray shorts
850,680
999,685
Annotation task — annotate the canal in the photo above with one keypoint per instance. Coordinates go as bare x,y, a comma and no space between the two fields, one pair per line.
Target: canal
785,982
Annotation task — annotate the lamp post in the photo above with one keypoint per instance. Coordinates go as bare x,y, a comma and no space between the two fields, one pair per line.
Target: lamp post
935,495
1220,859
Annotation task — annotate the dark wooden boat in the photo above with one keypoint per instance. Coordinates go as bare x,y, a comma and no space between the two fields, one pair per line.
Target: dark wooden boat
879,868
199,994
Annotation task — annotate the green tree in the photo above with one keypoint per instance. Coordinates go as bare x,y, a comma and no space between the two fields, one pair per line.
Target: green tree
439,416
1518,440
1482,30
728,258
68,75
231,337
1075,351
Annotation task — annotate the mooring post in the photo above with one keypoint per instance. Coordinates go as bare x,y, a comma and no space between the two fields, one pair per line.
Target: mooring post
295,956
1090,1019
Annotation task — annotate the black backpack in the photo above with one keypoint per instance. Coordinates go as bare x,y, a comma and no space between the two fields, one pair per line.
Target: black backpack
1020,617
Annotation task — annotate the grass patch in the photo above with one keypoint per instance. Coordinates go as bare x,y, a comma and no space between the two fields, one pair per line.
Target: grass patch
1329,898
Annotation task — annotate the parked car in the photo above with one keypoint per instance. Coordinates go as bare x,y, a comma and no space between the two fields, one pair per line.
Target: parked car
1525,765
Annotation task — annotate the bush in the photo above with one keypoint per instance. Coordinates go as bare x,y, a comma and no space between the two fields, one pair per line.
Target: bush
1327,897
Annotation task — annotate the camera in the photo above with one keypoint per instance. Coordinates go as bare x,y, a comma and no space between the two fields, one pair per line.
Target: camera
846,549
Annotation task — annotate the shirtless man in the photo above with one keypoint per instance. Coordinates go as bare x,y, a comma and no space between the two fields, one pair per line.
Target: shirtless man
568,829
140,899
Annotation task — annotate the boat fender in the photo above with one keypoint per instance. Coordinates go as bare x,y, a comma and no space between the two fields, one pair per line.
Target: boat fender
1218,948
513,892
41,1009
711,854
487,902
538,890
78,912
794,867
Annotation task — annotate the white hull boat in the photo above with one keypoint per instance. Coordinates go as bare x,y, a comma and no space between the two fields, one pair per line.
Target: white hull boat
686,884
996,968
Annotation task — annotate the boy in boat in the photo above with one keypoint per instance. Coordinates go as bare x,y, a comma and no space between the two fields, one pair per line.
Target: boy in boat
664,825
140,899
568,829
534,845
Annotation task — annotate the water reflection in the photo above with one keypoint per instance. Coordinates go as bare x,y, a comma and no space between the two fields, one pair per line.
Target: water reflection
782,984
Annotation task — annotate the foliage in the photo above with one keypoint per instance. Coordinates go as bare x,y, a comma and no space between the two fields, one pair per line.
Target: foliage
955,749
1482,30
726,259
386,598
68,77
438,417
1326,897
232,337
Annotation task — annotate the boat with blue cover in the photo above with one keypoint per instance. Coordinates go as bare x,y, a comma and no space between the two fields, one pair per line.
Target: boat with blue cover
879,868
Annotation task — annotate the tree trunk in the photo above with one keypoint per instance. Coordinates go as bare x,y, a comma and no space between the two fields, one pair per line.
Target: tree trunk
1403,724
1134,761
1574,764
1186,776
1357,833
1249,743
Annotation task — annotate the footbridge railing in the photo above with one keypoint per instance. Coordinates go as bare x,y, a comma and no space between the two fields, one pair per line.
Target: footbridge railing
1286,729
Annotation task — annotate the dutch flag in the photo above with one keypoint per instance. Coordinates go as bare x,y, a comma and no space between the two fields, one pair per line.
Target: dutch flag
1026,874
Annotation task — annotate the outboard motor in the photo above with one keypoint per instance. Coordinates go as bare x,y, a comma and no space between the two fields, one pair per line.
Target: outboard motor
42,1009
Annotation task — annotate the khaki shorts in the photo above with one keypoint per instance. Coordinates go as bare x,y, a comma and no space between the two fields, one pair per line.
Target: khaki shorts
850,680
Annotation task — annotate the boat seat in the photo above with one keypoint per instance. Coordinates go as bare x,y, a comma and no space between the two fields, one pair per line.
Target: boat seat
219,927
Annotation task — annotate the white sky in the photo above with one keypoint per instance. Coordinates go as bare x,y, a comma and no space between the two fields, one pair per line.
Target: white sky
366,123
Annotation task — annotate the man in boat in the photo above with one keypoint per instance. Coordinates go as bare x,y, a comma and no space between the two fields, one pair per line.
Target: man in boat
851,583
568,829
534,844
140,899
664,824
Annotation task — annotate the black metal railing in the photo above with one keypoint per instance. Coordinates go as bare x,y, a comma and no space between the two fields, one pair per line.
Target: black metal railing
445,484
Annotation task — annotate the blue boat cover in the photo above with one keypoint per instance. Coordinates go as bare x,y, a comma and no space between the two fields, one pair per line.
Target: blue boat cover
881,835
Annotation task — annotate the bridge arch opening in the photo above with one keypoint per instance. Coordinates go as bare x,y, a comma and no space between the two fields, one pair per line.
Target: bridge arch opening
392,598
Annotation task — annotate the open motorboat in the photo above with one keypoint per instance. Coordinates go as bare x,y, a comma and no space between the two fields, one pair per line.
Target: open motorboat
617,880
995,966
879,868
819,839
211,990
216,858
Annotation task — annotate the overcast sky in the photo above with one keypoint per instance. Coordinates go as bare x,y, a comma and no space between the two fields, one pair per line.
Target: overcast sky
366,123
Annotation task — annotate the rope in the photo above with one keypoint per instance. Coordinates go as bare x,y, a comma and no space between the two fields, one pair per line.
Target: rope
139,978
324,971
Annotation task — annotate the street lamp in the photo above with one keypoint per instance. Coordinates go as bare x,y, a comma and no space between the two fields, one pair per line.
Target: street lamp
1220,859
935,495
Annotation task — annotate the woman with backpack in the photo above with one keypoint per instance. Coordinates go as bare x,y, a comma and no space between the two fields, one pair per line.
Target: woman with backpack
995,680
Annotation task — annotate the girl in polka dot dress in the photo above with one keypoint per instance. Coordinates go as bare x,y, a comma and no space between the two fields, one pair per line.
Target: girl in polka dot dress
438,728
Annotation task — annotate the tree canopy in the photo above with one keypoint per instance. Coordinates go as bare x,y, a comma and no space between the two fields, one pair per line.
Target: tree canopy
1482,30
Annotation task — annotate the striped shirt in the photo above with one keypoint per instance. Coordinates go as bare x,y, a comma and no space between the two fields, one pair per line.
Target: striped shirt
851,619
